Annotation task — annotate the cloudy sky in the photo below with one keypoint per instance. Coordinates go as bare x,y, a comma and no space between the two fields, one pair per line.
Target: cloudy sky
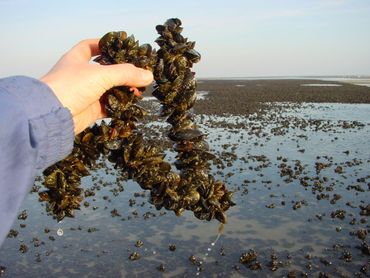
236,38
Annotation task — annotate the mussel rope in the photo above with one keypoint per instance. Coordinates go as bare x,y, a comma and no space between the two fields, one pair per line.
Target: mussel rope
194,189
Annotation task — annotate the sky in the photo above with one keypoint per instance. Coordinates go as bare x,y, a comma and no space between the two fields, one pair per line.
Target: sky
235,38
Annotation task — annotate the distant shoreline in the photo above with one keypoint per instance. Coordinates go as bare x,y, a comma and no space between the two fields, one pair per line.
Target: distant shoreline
362,80
277,77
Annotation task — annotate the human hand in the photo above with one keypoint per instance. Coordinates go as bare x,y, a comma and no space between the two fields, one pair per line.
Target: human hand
79,84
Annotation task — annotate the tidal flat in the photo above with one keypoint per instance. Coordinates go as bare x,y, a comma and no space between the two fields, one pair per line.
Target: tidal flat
297,158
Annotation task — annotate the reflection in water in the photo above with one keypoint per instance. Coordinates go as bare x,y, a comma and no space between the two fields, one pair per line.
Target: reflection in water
290,169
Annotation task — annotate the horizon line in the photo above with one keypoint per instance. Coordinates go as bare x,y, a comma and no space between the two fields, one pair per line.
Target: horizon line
349,76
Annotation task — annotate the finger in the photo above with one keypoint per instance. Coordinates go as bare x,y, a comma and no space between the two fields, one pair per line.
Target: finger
135,91
125,75
84,50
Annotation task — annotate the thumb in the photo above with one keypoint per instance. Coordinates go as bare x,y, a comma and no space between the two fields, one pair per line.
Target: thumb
125,75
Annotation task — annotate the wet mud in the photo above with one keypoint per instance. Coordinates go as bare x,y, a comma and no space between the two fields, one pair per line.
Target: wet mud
297,159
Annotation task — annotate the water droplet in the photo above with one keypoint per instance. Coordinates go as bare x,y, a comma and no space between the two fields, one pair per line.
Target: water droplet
154,252
209,249
60,232
213,244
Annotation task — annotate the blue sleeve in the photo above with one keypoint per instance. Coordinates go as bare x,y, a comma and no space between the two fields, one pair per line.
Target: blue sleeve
35,132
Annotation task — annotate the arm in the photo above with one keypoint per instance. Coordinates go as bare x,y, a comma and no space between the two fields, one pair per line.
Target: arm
38,120
36,131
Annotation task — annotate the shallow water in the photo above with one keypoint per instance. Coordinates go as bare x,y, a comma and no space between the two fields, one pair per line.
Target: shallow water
257,152
321,85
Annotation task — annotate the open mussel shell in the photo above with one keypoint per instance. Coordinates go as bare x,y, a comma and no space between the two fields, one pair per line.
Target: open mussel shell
186,135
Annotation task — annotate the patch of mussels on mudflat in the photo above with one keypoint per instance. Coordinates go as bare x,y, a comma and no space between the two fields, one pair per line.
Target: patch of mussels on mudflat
192,188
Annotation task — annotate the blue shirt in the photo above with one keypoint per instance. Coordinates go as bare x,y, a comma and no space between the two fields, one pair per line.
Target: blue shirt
35,132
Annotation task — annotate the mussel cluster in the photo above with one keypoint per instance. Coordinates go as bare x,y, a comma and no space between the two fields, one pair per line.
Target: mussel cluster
193,188
62,180
175,89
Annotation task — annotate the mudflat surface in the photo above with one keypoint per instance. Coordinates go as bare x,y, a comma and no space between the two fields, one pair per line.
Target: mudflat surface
299,170
241,97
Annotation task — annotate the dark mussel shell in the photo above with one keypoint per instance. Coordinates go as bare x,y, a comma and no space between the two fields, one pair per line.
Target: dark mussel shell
186,135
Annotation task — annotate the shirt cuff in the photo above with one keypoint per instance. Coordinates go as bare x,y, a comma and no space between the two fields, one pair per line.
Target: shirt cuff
51,125
52,135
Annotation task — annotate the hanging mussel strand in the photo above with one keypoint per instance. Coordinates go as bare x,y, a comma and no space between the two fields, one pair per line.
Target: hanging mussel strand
175,89
125,145
62,180
119,139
